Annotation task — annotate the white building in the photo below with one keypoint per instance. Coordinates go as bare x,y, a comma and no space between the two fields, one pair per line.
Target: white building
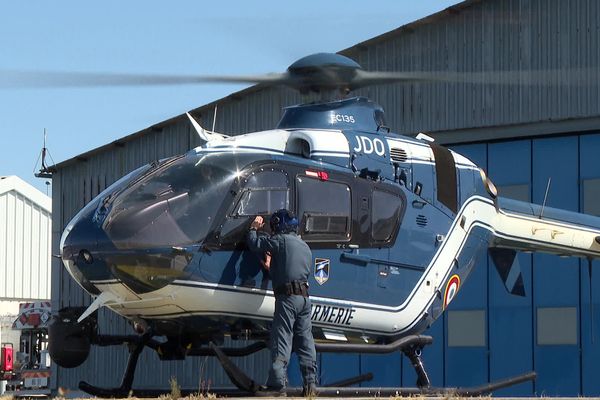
25,245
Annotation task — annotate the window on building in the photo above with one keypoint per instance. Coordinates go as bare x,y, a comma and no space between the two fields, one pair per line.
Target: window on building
466,328
556,326
324,209
385,214
591,194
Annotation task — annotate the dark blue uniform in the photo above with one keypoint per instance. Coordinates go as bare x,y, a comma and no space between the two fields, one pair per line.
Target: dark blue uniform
291,260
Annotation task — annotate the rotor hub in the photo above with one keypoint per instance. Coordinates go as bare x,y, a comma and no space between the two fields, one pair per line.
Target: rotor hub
323,72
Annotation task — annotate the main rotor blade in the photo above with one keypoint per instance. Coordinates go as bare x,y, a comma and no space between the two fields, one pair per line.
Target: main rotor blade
311,79
55,79
553,77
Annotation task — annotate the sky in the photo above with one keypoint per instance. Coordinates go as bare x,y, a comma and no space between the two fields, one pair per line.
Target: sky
164,37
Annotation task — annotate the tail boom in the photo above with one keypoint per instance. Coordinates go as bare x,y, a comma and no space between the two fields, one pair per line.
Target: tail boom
517,225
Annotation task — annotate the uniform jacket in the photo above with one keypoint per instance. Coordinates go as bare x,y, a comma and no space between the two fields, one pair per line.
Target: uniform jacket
290,256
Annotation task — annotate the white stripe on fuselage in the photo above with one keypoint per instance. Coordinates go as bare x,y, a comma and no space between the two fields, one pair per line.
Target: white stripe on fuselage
202,298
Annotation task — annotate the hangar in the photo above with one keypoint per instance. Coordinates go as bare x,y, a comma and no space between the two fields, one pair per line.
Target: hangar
521,134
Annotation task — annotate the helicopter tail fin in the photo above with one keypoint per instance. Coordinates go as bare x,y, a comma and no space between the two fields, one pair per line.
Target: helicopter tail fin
205,136
521,226
509,269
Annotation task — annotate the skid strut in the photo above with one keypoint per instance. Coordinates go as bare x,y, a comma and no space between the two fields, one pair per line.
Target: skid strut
237,376
413,353
128,375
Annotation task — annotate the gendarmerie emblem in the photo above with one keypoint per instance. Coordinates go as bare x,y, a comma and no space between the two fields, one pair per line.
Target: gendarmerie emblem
321,270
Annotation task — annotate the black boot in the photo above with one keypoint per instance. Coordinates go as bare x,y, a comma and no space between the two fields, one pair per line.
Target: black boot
309,390
266,391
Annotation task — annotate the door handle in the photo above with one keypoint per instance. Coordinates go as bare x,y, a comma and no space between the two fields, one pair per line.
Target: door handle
418,204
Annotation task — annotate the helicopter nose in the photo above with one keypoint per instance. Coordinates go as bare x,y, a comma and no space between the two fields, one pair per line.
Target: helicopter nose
79,250
93,259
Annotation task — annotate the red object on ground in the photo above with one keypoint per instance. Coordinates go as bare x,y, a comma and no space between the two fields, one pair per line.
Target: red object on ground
6,359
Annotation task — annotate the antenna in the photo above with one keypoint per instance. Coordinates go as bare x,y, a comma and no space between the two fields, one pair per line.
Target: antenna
215,117
44,171
591,300
545,197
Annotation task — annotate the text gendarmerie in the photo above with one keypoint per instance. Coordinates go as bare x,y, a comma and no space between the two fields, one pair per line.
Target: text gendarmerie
332,314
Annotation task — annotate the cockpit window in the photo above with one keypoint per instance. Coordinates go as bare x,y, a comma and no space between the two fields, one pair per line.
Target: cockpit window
264,178
265,192
262,201
175,204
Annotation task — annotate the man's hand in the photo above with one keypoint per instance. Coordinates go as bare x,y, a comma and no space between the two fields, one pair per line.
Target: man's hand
266,262
258,223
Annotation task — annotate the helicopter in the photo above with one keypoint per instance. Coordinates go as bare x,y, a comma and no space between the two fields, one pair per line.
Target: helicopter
395,223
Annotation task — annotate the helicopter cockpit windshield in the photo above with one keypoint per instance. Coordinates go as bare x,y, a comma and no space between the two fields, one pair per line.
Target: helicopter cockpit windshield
175,203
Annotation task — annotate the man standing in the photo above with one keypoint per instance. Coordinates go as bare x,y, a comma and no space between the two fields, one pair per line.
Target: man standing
290,264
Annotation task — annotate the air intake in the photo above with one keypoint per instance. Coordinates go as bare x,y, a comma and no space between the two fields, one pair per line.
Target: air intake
421,220
397,154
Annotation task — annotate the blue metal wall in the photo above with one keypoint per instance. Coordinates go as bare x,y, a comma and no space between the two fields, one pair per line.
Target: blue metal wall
589,168
510,321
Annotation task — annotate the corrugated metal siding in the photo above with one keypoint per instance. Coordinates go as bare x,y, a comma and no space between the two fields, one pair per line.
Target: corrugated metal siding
24,248
559,37
488,35
256,111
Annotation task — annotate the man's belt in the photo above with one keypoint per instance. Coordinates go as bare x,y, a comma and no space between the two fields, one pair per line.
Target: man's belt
294,287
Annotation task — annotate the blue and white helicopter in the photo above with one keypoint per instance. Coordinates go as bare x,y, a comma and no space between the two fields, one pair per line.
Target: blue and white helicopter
395,224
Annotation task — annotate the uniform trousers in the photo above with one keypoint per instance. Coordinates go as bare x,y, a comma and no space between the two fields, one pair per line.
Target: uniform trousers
292,331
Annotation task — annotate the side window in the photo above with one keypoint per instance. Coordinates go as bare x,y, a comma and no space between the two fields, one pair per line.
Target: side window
385,214
264,192
324,209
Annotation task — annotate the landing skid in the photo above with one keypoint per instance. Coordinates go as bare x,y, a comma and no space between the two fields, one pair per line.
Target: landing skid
411,346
